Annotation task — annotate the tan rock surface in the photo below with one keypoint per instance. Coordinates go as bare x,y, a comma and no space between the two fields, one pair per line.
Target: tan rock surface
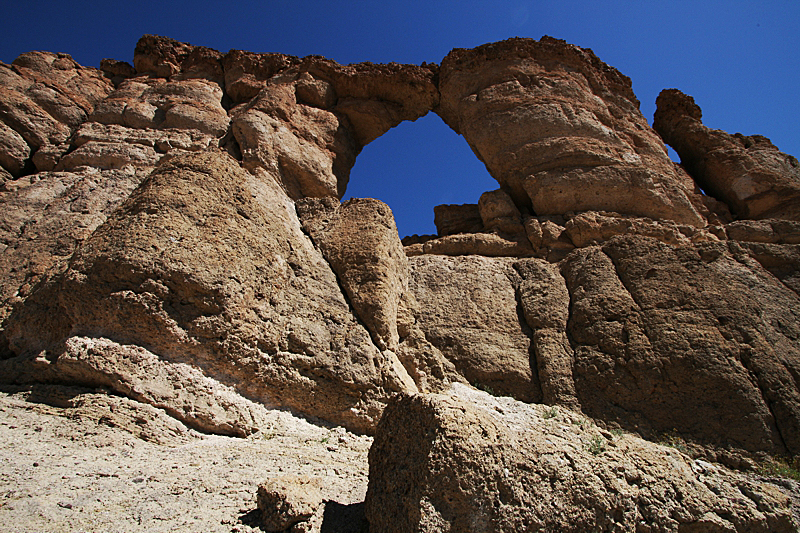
746,172
287,500
205,266
650,322
451,218
308,150
474,321
469,462
359,240
561,131
43,219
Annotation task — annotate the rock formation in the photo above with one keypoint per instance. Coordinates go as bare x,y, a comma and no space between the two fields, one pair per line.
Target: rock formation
172,233
469,462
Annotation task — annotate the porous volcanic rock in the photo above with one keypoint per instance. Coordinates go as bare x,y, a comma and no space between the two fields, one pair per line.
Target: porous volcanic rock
467,308
650,322
452,218
45,216
359,240
749,173
308,150
466,461
561,131
206,266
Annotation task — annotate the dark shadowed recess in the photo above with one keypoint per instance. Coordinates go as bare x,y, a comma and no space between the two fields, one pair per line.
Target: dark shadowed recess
408,166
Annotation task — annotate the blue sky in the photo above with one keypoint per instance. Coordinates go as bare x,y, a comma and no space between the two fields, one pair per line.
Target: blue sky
740,60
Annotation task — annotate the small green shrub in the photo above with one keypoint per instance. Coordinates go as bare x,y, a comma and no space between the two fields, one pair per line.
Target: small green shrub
674,441
618,432
597,445
779,467
485,388
550,413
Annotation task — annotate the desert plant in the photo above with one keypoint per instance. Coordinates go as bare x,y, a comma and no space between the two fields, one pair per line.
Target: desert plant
550,413
597,445
780,467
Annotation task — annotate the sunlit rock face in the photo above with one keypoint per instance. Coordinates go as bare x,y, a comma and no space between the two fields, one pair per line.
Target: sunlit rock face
749,173
181,215
561,131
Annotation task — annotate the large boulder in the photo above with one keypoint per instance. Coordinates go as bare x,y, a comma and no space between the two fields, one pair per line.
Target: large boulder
561,131
466,461
749,173
208,267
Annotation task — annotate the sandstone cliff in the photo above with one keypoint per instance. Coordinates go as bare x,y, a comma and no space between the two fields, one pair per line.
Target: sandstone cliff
171,232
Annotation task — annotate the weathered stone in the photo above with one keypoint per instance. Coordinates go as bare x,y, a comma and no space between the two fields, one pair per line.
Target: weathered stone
160,56
14,151
162,141
157,103
47,156
771,231
486,244
308,150
84,87
549,240
180,390
359,239
246,73
206,266
746,172
116,70
44,217
661,334
287,500
474,322
499,213
469,462
590,228
29,120
107,156
544,299
452,218
561,131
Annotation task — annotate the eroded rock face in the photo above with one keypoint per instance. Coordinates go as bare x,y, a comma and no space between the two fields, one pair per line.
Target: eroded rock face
467,307
359,240
561,131
208,267
44,217
469,462
650,322
747,172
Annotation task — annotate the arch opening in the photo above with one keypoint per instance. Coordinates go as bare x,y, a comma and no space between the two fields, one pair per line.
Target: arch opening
416,166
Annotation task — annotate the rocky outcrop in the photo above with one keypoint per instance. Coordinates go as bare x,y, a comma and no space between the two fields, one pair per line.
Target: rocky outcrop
476,322
44,217
44,98
171,231
206,266
561,131
649,322
469,462
359,240
747,172
451,219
